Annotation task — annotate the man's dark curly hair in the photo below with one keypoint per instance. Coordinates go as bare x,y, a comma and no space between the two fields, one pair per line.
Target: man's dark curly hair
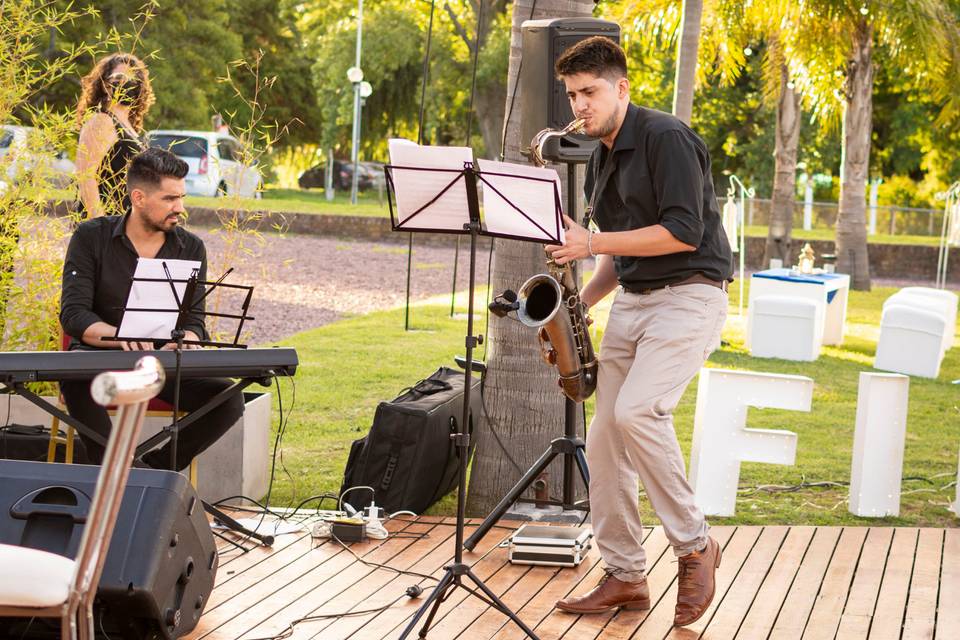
149,168
597,55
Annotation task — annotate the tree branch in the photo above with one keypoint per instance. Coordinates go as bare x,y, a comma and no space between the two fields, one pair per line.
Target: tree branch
459,27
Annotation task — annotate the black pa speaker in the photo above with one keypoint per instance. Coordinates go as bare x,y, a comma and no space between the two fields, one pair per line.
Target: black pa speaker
544,102
162,560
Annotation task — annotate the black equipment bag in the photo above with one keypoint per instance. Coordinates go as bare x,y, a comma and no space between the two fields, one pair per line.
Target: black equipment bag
162,561
408,457
30,442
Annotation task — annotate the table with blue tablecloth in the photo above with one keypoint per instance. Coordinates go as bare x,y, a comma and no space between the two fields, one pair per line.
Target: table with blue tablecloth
828,290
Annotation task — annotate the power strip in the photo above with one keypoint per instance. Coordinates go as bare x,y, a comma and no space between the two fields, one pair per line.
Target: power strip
373,528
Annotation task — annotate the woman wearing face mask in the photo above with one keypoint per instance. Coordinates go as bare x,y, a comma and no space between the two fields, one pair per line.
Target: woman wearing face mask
116,96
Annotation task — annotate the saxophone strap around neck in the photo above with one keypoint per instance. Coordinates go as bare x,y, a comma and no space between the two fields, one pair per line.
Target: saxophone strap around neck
599,183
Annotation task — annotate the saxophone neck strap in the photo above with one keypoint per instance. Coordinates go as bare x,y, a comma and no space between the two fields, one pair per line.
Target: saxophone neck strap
601,176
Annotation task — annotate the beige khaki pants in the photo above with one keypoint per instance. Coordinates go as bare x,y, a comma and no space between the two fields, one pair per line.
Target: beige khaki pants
653,346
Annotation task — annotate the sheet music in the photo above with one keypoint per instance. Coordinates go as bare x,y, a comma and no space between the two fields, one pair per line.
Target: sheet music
414,189
537,200
155,295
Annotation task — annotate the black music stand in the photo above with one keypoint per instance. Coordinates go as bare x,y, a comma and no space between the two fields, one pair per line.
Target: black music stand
191,303
455,572
571,446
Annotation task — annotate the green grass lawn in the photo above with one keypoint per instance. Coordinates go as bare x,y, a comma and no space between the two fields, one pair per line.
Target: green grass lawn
349,366
300,201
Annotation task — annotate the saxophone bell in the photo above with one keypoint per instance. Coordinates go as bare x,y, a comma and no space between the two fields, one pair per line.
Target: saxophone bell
557,313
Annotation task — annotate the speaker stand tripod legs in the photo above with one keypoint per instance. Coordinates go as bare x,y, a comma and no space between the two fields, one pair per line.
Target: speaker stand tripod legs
571,448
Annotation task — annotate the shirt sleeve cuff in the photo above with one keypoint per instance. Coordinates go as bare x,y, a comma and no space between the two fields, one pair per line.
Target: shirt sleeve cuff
198,329
686,229
78,323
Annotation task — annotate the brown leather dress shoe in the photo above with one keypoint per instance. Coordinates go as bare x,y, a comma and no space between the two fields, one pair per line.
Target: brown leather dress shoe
695,583
609,593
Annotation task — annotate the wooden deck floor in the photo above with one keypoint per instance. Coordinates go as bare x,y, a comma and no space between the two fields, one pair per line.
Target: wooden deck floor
774,582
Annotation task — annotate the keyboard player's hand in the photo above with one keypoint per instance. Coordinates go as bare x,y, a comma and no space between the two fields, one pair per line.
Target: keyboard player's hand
187,335
136,346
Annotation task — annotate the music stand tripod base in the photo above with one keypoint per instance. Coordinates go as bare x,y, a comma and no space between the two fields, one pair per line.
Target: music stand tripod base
458,570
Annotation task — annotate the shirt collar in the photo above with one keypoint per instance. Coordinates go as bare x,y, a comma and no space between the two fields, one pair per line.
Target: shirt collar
120,231
627,136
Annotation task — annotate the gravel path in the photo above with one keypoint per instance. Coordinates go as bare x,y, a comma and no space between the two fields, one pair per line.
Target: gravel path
302,282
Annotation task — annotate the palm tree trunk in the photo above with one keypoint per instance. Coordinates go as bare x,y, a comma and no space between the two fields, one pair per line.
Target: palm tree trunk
524,405
785,172
852,257
686,77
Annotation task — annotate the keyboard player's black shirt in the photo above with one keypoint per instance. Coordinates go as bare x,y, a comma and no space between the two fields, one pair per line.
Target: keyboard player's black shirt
98,272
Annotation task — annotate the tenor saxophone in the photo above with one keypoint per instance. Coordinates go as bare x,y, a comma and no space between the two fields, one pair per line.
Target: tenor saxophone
550,302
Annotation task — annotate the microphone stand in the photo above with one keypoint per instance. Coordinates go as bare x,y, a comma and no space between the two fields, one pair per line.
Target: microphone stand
177,335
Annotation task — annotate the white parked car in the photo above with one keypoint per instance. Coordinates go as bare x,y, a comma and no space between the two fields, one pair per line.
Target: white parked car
19,155
216,162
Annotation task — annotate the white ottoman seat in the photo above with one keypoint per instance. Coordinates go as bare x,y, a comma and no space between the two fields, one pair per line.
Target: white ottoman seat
785,327
911,340
33,578
927,296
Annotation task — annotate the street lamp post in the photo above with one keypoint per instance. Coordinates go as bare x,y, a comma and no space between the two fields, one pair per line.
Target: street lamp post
355,75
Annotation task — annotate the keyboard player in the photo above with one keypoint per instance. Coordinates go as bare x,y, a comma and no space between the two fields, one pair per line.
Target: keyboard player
97,275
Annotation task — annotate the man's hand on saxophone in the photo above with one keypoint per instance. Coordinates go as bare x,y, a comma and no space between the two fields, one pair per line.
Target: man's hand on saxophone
576,243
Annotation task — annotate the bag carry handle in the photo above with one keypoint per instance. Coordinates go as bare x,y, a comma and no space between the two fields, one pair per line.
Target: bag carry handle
427,387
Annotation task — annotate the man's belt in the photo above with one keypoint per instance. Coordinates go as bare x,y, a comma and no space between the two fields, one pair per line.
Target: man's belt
697,278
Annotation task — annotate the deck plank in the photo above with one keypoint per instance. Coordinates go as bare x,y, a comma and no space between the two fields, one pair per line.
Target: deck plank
374,590
732,609
491,623
326,597
256,593
775,582
828,605
892,602
773,591
560,583
802,595
531,598
862,597
948,609
459,599
391,622
921,615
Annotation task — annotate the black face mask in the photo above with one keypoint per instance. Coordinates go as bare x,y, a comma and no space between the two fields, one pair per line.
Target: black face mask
127,93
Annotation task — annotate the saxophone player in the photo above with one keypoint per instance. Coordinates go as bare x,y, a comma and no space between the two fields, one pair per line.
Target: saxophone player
661,245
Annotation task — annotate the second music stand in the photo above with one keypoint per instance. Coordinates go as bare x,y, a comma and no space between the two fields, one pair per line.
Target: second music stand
449,194
191,302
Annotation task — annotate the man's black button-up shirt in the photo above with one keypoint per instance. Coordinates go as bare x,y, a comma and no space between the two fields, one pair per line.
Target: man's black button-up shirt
98,273
662,176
